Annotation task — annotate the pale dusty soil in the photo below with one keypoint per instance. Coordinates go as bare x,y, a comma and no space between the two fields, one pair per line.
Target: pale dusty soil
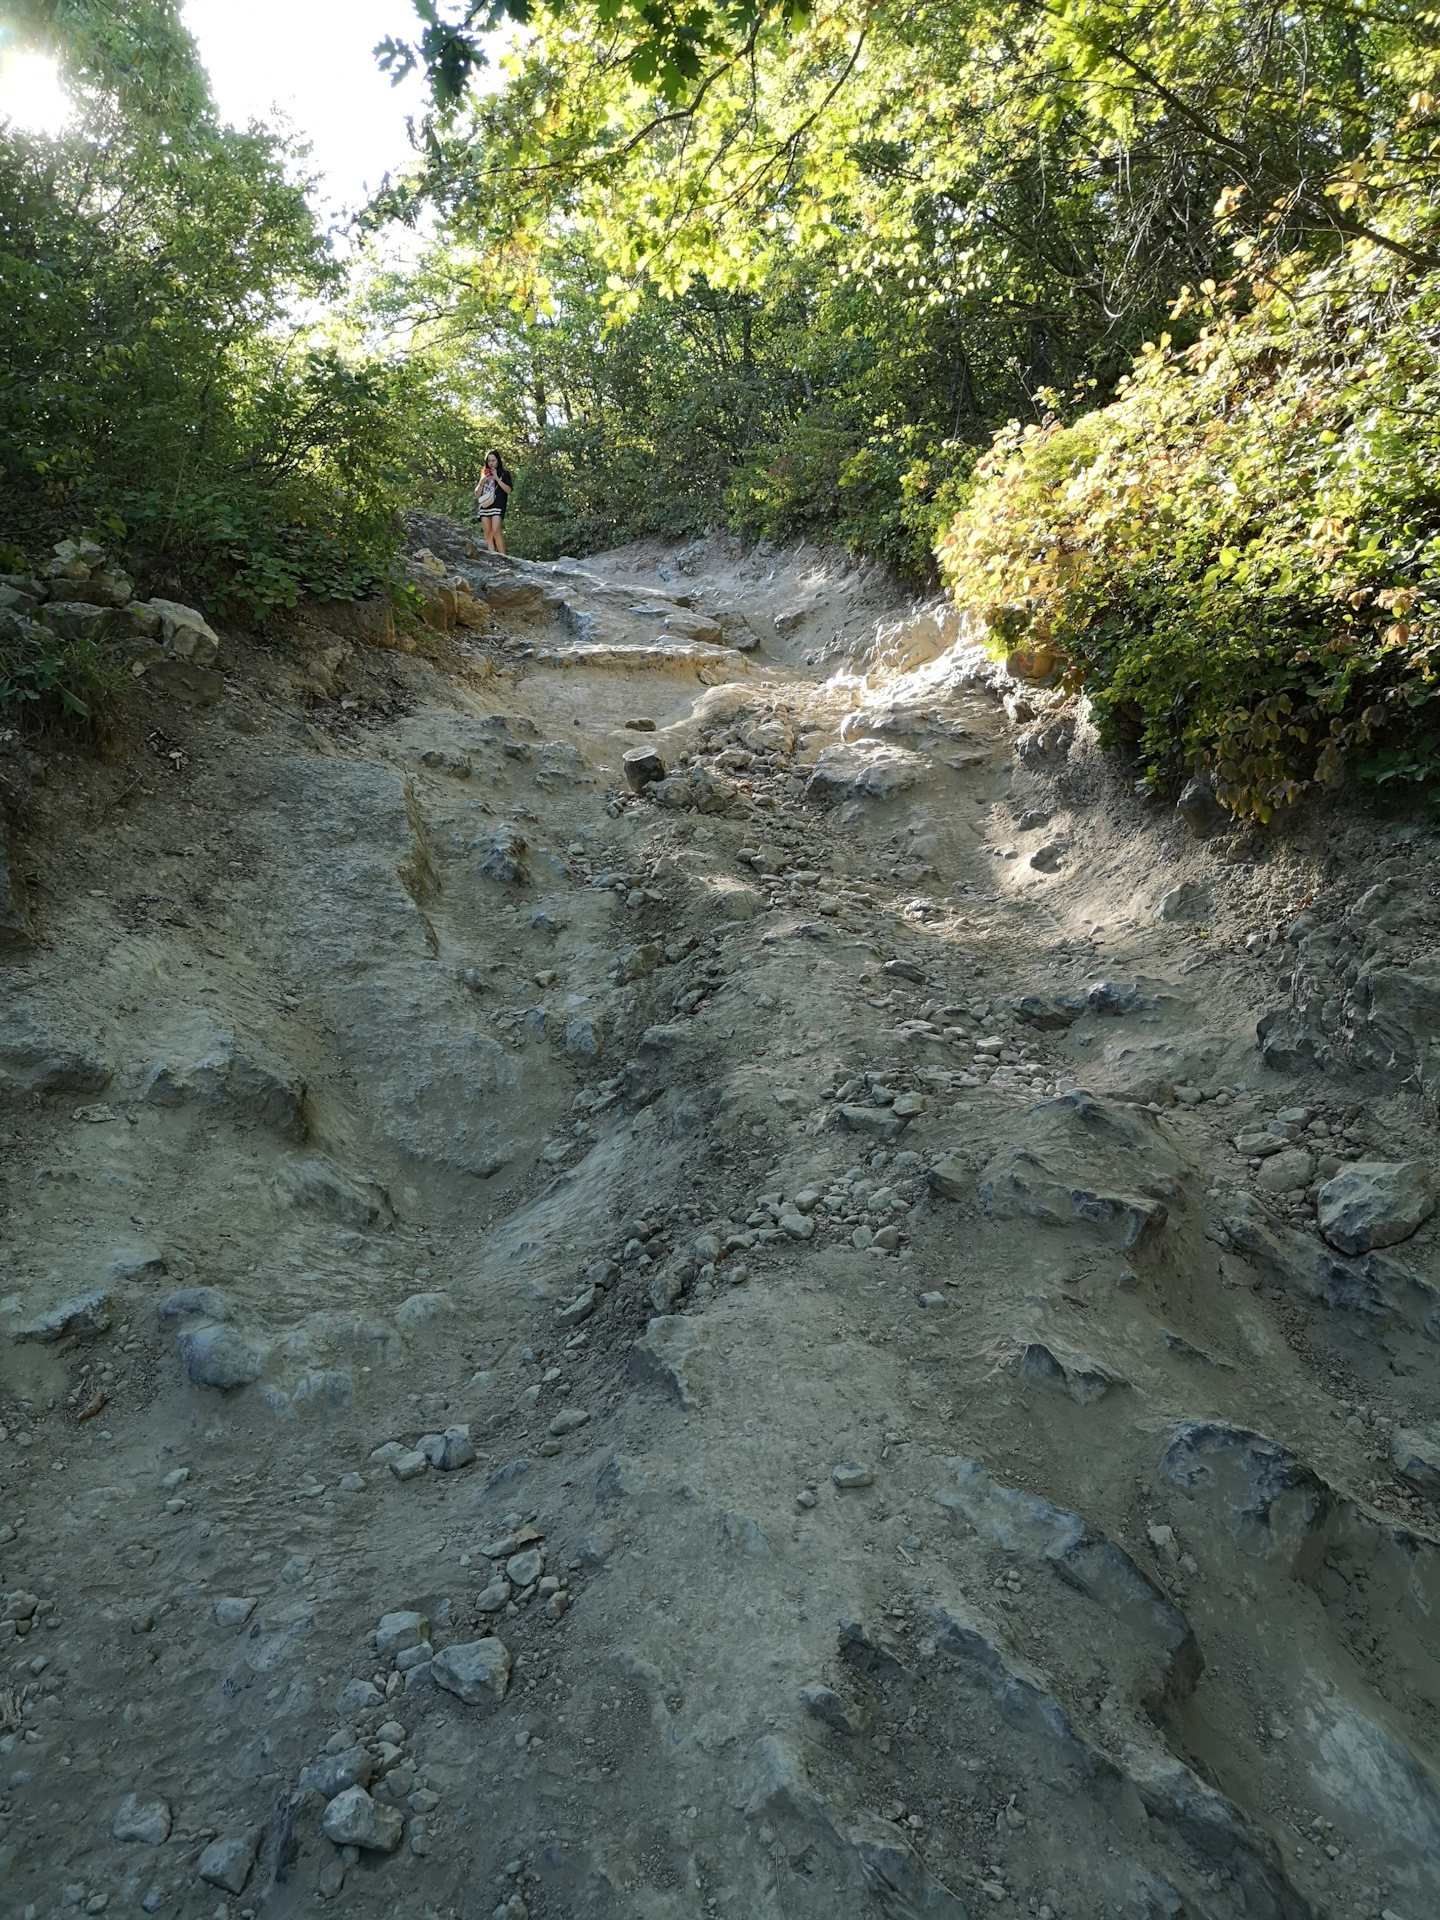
1041,1702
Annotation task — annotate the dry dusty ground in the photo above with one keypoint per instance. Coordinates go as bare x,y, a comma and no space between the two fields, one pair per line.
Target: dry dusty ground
921,1465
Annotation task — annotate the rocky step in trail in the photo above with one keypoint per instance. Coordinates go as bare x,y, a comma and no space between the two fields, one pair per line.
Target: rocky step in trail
837,1318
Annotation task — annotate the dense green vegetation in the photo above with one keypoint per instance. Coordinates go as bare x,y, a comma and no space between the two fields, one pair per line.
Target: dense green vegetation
878,273
937,220
1239,557
155,386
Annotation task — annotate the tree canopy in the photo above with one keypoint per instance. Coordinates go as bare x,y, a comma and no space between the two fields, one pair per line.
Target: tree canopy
955,285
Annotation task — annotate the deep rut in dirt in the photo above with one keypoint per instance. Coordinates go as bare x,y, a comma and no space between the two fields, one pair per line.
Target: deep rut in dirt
770,1346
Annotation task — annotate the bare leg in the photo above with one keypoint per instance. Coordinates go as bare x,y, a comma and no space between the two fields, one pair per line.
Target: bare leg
489,526
499,536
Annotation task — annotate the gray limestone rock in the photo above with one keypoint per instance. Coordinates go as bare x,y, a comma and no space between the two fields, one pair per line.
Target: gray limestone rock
893,1871
185,634
1083,1380
877,1123
252,1086
824,1704
195,1303
310,1182
1415,1456
1254,1490
1371,1285
642,766
1201,811
450,1450
221,1356
333,1773
477,1672
1019,1522
950,1178
673,792
584,1037
85,1317
1283,1172
397,1631
849,1478
226,1862
524,1568
660,1358
1050,1012
34,1059
579,1309
864,769
144,1820
358,1695
1188,901
1375,1203
353,1819
1090,1162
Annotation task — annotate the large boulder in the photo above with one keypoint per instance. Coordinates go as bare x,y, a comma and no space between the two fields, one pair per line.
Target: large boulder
1375,1203
252,1085
85,1317
866,769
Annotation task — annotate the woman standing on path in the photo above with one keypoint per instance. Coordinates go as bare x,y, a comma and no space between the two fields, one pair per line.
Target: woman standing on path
492,496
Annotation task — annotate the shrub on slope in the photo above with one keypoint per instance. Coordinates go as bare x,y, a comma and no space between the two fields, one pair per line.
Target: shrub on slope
1239,557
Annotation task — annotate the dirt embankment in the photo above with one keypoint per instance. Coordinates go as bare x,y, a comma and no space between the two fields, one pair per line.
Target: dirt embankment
852,1332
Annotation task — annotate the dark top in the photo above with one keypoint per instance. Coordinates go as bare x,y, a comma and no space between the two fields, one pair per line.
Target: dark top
502,498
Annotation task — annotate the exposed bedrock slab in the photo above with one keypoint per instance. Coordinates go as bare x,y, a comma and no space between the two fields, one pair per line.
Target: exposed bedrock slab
1087,1162
866,769
438,1088
36,1058
1076,1375
1157,1635
1269,1501
1373,1286
249,1084
990,1706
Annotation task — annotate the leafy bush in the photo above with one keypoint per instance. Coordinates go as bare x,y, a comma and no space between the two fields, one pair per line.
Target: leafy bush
42,674
794,486
153,382
1239,558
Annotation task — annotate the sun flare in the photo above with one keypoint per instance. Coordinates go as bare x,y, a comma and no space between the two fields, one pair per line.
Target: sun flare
31,96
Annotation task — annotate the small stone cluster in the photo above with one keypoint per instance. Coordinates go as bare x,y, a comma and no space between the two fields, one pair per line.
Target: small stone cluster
77,595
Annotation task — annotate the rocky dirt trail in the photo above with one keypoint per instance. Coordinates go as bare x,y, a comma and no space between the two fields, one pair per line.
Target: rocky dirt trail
852,1332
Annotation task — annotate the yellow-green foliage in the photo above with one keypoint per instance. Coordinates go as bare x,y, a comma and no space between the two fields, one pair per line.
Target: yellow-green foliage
1239,558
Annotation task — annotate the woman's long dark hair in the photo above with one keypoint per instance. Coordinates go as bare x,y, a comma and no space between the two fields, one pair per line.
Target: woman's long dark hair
500,467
